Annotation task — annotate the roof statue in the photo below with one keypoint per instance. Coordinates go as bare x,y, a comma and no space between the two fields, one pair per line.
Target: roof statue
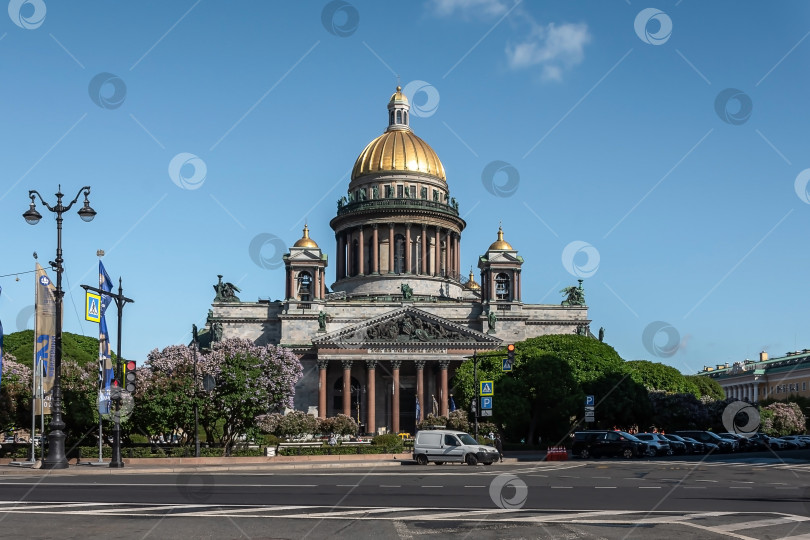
575,296
226,292
407,292
492,318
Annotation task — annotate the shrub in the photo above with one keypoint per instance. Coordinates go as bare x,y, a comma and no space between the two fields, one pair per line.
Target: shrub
390,442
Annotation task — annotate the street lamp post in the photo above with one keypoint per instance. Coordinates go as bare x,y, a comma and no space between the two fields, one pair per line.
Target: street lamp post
56,458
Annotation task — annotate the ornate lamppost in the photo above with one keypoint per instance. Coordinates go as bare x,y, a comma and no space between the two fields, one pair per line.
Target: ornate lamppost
56,458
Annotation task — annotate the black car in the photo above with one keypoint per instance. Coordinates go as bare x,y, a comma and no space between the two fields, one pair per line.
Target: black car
746,444
678,445
709,437
607,443
693,446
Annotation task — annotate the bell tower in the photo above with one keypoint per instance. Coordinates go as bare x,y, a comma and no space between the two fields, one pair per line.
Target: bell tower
306,267
500,272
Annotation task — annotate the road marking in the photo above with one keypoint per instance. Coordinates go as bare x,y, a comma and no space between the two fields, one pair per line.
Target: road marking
475,486
760,523
562,487
605,487
649,487
715,481
740,487
432,486
389,486
347,485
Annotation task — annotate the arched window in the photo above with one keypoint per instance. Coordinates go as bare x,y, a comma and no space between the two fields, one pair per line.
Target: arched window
399,117
502,286
304,286
399,254
391,119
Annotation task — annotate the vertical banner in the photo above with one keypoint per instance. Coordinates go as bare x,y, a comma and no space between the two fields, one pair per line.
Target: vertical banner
418,409
45,338
106,373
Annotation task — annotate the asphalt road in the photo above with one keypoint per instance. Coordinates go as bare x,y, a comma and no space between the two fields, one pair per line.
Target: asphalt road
737,497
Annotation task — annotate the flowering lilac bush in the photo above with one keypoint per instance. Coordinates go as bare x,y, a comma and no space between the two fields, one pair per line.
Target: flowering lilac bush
781,418
251,382
15,393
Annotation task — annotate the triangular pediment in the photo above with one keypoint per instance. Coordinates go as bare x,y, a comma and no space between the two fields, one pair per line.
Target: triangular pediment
406,326
303,255
503,257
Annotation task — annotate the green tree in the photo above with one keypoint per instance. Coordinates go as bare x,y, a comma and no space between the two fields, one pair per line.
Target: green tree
706,386
661,377
620,401
15,394
782,418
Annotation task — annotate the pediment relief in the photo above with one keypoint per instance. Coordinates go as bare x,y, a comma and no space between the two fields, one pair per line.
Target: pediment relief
304,254
510,257
403,326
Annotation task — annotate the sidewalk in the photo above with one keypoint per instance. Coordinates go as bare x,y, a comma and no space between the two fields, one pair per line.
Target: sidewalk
241,464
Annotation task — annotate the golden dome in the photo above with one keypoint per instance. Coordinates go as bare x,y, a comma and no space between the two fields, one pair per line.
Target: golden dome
471,284
500,243
398,96
306,241
398,151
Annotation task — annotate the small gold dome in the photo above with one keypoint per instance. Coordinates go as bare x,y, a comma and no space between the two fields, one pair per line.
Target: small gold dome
398,96
471,284
398,150
306,241
500,243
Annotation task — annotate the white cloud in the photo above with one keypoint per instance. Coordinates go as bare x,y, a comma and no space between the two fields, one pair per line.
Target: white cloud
483,9
553,48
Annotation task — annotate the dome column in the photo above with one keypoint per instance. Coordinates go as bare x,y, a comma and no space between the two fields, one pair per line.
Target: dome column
447,253
362,252
375,251
390,248
423,270
437,251
457,255
323,284
408,267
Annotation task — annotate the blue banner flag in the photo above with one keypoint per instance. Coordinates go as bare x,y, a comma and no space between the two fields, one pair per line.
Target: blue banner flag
418,409
106,372
452,404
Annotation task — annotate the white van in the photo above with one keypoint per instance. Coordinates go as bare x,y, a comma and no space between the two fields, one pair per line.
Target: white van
441,445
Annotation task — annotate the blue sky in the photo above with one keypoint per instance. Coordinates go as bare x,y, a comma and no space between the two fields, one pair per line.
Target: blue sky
655,150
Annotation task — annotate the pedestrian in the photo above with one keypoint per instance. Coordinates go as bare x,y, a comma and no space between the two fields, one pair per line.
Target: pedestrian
499,446
491,436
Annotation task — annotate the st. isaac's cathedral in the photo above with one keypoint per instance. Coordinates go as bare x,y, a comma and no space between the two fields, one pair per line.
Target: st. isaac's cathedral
400,317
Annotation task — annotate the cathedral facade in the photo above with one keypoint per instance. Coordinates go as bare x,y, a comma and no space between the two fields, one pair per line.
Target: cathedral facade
400,317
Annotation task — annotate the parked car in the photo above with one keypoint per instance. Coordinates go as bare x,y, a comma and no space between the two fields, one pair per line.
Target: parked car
744,443
607,443
708,437
770,442
795,439
680,445
657,443
442,446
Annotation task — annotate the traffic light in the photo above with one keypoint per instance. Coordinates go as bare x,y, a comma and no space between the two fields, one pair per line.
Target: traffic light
510,349
129,378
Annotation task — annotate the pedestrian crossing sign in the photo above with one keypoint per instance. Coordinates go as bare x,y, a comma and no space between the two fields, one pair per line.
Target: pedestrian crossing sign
487,388
92,311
